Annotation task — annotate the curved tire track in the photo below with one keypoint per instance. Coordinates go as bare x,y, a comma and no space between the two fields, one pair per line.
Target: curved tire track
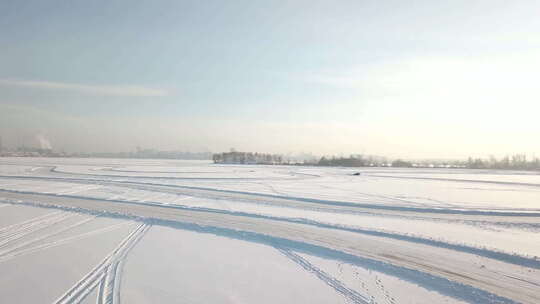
105,273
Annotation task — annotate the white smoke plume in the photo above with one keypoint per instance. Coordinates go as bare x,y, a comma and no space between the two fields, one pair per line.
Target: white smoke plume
44,143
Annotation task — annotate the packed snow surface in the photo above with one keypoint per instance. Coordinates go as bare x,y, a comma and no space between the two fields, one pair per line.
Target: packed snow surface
168,231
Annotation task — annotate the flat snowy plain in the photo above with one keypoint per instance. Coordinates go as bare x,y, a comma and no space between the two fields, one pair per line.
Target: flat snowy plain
165,231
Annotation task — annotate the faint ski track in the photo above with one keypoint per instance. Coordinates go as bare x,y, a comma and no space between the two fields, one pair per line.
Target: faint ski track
457,180
42,237
17,226
164,172
337,285
105,274
63,241
31,226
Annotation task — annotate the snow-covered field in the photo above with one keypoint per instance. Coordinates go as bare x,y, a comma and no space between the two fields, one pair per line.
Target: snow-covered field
166,231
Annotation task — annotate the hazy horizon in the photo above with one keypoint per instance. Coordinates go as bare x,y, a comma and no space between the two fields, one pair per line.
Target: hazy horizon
422,79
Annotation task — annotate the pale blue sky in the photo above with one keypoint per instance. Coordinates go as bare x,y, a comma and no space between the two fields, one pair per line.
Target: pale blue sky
396,78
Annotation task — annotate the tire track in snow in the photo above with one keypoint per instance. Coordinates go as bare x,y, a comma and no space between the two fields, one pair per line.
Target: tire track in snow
20,231
105,274
489,253
109,286
12,236
45,236
455,287
27,222
79,174
321,202
336,284
63,241
110,291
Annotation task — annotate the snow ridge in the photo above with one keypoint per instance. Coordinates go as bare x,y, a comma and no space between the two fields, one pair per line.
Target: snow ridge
490,253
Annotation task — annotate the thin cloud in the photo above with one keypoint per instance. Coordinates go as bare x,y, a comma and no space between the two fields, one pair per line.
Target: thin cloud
335,81
106,90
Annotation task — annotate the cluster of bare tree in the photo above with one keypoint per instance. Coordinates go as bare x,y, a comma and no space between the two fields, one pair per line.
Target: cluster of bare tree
514,162
234,157
352,161
361,161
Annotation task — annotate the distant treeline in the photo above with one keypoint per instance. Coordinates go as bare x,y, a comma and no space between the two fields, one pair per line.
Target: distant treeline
234,157
360,161
514,162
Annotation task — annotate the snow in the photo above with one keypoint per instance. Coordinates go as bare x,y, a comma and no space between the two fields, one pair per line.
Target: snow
197,268
507,237
148,231
40,266
10,214
377,286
